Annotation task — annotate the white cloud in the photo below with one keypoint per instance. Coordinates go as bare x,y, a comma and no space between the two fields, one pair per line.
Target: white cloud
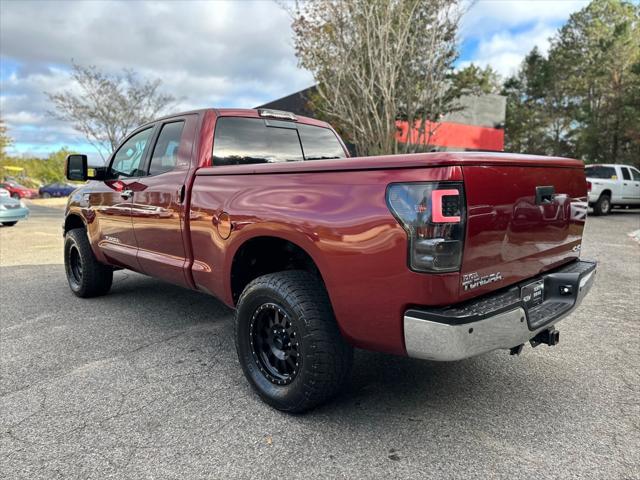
23,118
504,31
504,51
487,16
206,53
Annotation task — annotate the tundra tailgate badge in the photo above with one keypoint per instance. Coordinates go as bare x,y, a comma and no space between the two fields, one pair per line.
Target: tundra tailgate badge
473,280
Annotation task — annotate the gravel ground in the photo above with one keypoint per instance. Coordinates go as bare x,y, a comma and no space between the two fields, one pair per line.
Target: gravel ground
144,383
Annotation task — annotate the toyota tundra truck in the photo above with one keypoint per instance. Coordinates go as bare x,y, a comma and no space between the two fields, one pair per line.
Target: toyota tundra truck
438,256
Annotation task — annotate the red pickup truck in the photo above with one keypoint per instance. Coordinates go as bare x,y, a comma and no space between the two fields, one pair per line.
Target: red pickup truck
439,256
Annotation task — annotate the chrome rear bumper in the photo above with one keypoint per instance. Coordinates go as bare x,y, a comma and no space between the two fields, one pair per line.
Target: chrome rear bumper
498,321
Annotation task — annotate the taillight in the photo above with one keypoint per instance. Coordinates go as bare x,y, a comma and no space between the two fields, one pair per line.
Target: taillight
588,186
433,215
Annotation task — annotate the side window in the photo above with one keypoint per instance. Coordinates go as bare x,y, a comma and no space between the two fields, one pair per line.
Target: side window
636,174
127,160
625,173
165,152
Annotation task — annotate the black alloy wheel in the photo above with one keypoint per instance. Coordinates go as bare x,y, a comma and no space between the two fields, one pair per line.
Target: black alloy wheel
275,344
87,277
288,341
75,266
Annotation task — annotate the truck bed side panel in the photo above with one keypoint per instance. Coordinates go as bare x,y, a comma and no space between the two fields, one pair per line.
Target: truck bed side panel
342,221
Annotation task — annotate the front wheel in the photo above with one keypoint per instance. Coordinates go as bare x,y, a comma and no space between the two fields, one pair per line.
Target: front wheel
87,277
288,341
9,224
46,195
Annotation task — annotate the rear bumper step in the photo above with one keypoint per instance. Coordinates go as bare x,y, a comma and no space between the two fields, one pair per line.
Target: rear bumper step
497,321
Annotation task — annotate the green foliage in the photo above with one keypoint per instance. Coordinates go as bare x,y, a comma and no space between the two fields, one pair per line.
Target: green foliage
474,80
377,61
583,99
37,171
5,139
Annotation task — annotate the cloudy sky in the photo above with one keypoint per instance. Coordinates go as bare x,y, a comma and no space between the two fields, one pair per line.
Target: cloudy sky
207,53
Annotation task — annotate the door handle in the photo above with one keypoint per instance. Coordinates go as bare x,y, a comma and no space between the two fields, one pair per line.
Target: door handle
126,194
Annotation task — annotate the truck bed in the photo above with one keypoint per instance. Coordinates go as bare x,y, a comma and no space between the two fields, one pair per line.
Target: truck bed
336,211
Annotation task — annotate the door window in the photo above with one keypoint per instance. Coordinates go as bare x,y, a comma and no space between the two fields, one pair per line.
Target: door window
625,173
127,160
165,152
635,173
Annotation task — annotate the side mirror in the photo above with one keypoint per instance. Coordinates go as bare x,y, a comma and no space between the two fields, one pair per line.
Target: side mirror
76,168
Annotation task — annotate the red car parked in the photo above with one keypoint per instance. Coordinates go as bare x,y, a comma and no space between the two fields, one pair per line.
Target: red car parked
440,256
17,191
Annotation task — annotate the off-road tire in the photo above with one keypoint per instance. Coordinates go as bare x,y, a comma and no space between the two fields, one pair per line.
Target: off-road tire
325,357
94,278
602,206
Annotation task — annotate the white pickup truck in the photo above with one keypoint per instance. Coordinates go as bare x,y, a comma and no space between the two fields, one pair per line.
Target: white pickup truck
611,185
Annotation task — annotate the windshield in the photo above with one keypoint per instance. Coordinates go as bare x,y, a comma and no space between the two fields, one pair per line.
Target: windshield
240,141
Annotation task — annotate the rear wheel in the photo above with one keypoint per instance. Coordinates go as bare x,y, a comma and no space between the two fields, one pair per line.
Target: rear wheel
87,277
16,196
602,206
46,195
9,224
288,341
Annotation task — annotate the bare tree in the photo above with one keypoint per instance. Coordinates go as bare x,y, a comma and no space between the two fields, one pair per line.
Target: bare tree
107,107
377,61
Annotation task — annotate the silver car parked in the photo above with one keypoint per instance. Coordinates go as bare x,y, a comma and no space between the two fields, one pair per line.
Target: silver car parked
11,211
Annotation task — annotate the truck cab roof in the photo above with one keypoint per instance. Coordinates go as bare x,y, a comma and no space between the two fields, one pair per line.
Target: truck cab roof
608,165
239,112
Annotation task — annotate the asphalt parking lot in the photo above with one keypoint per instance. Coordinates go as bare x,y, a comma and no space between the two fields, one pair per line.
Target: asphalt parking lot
144,383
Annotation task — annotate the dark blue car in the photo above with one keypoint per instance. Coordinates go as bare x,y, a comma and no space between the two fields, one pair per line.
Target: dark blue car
56,190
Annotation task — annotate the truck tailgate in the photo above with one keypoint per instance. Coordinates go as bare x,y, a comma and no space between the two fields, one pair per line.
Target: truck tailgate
521,221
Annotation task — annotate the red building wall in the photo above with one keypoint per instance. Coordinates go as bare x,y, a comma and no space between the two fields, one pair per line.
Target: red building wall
454,135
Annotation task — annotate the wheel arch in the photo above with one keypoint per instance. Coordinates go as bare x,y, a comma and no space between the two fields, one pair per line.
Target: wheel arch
263,254
73,220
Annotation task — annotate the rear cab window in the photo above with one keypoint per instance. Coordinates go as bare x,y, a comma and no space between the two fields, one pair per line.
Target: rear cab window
242,141
598,171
